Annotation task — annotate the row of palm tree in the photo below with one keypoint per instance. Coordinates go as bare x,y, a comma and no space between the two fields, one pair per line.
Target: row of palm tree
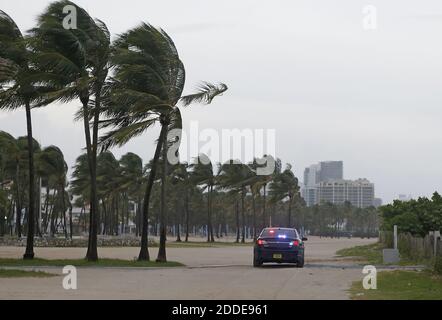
189,203
127,85
121,181
217,198
50,170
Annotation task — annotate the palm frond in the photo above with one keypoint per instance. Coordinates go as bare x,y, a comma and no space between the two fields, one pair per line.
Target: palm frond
205,93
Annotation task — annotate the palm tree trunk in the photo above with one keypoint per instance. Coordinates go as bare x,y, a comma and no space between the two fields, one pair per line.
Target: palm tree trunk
105,217
52,214
243,217
92,251
63,207
84,217
70,222
208,213
237,220
210,221
38,217
264,207
46,218
117,222
163,213
123,212
29,253
254,217
187,216
290,213
18,200
144,251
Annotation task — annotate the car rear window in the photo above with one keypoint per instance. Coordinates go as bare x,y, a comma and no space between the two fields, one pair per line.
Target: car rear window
279,233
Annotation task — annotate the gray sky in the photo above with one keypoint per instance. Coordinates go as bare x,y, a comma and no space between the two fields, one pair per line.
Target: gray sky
332,90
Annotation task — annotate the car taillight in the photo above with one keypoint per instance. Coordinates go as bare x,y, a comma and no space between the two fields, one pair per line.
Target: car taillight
294,243
261,242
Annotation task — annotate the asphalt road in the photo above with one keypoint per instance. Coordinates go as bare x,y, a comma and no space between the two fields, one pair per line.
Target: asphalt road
210,273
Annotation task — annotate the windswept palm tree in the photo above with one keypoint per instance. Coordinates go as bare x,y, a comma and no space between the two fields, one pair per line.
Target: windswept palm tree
181,180
78,60
146,87
257,183
11,157
51,164
203,174
132,180
20,87
285,186
237,176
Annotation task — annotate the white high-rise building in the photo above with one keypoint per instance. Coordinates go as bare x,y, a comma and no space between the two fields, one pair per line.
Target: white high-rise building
360,193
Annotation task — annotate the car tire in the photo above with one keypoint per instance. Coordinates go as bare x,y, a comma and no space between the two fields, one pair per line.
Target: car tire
256,262
300,263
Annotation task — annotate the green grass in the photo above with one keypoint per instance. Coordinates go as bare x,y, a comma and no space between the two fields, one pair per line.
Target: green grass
13,273
401,285
371,253
85,263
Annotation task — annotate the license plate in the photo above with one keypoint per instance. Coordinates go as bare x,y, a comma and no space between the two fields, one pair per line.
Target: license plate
277,256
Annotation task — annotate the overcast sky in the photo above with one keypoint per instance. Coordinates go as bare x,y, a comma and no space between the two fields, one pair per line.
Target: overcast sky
332,90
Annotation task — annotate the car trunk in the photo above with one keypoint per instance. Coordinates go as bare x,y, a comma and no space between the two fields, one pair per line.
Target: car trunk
278,244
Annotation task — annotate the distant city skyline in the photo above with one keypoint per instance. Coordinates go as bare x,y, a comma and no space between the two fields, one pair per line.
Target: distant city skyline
324,182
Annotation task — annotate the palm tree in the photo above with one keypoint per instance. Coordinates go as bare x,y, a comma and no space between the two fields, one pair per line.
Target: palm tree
203,175
80,184
19,88
181,180
79,60
52,166
147,84
285,185
11,156
256,183
237,176
132,179
109,187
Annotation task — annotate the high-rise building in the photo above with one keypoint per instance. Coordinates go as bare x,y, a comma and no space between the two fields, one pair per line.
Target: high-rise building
311,175
316,173
331,170
323,171
360,193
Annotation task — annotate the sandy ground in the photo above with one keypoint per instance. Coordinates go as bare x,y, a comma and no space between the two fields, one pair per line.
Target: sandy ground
210,273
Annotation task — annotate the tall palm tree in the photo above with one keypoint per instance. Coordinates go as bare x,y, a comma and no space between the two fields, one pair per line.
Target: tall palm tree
19,88
78,58
181,180
52,165
131,179
11,156
147,84
257,183
203,175
109,188
285,185
237,176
